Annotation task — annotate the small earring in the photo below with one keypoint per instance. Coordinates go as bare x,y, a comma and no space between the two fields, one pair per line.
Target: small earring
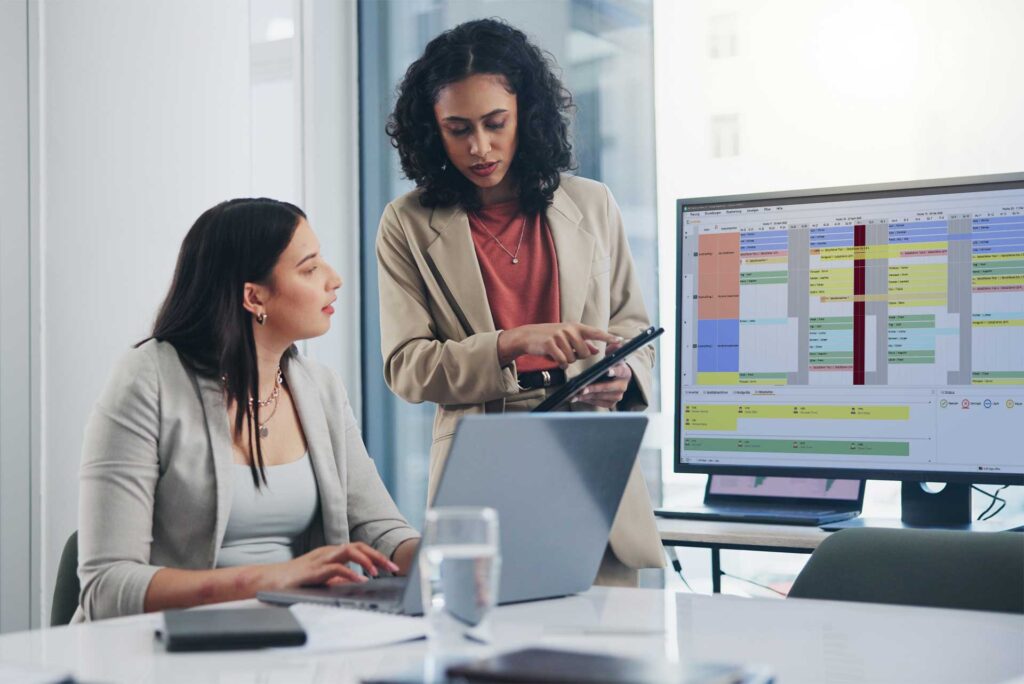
444,166
261,318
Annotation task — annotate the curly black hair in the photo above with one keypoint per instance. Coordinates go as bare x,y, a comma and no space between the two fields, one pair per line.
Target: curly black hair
484,46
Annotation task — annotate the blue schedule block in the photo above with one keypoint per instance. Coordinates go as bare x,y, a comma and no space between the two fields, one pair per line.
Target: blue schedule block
707,344
728,352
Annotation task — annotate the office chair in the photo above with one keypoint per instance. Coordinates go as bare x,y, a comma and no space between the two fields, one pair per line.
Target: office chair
936,568
66,590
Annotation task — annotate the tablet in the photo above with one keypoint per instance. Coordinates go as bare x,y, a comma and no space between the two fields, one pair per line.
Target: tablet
598,371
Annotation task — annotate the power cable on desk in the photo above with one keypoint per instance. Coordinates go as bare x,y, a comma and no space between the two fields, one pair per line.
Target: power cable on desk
995,499
678,567
750,581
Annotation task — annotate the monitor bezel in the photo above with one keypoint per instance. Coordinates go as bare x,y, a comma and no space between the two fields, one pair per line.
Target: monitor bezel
936,186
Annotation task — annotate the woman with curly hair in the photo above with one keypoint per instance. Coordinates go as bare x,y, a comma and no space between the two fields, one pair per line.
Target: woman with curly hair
499,274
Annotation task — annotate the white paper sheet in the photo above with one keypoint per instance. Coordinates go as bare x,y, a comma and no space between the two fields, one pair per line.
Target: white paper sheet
24,674
345,629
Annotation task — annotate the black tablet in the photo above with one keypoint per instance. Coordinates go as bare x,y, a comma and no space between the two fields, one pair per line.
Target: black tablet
598,370
548,666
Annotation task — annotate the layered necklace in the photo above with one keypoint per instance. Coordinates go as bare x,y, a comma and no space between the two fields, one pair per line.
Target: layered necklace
522,232
261,428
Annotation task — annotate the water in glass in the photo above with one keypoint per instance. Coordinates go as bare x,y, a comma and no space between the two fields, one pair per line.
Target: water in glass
459,569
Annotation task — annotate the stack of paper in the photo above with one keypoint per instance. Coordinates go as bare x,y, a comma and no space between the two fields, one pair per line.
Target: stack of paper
336,629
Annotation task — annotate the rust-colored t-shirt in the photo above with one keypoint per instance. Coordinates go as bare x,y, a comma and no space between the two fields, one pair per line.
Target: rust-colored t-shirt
518,293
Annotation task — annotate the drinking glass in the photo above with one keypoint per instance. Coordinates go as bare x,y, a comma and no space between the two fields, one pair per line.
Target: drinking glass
459,570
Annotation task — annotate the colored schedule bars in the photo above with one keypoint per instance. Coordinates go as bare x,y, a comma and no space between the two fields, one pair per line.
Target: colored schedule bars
718,308
997,254
878,327
894,279
997,287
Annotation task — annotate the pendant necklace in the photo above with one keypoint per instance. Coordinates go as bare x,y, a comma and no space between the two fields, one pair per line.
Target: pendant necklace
262,429
515,255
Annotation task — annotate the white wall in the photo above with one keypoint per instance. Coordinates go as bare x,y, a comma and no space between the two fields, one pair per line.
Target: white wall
144,124
144,113
15,324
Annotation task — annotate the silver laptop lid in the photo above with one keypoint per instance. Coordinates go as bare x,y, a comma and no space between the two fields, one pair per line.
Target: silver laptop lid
556,480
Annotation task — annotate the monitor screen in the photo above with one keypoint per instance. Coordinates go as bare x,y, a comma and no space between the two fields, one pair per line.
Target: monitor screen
859,332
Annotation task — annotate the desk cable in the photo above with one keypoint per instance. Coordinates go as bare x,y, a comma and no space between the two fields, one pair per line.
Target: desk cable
750,581
678,567
995,499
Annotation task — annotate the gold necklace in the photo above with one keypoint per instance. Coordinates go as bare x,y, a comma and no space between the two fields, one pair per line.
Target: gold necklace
522,232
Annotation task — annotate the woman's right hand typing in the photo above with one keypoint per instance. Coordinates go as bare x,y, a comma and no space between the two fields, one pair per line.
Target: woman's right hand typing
327,565
176,588
563,343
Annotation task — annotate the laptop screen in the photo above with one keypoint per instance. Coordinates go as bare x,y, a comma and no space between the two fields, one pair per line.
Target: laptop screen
784,487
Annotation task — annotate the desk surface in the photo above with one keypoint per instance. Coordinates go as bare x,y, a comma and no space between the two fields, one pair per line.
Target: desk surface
739,535
800,640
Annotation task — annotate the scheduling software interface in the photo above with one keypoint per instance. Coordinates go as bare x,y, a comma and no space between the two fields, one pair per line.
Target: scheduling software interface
881,330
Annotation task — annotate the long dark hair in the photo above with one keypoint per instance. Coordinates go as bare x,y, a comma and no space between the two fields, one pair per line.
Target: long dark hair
484,46
234,243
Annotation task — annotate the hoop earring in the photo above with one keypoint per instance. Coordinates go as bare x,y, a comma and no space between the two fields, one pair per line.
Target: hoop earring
261,318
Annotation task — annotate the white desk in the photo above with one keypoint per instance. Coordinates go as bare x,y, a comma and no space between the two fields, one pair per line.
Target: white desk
801,640
716,536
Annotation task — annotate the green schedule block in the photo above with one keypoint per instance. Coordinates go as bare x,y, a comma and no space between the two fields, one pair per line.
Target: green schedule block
797,446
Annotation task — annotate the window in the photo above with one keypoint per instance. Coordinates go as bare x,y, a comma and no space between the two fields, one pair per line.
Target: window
811,104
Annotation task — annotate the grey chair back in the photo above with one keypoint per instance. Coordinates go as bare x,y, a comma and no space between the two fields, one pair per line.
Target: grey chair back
65,592
935,568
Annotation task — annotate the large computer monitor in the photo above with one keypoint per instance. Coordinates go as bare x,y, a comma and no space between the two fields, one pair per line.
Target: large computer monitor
859,332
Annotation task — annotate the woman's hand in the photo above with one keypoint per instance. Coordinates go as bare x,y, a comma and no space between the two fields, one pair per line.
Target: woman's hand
326,565
610,392
563,343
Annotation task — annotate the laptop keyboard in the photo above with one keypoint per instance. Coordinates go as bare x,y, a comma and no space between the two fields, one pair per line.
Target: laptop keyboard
770,512
784,516
384,589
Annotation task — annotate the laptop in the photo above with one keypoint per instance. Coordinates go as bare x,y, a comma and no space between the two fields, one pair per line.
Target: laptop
555,479
778,500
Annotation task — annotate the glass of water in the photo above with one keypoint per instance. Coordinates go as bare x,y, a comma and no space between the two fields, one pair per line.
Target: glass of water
459,569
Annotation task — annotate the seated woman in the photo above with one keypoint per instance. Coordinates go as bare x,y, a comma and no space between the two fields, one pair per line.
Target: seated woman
219,461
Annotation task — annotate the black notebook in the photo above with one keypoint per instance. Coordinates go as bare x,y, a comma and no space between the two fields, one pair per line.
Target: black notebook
230,629
554,667
597,371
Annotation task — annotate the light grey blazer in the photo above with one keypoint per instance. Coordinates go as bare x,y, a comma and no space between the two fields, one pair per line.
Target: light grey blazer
155,482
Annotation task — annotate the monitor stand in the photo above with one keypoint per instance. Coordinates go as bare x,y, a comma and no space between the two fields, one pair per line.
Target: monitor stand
948,509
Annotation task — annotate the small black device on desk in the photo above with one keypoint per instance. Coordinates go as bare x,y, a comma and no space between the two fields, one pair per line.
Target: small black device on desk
598,371
775,500
221,629
549,666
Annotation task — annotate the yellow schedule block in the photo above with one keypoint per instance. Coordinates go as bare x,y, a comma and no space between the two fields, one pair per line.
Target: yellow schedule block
726,416
991,280
998,323
823,412
981,258
718,378
880,251
710,416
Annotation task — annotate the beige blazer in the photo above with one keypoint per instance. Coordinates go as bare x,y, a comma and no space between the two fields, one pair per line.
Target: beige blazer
440,344
156,476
